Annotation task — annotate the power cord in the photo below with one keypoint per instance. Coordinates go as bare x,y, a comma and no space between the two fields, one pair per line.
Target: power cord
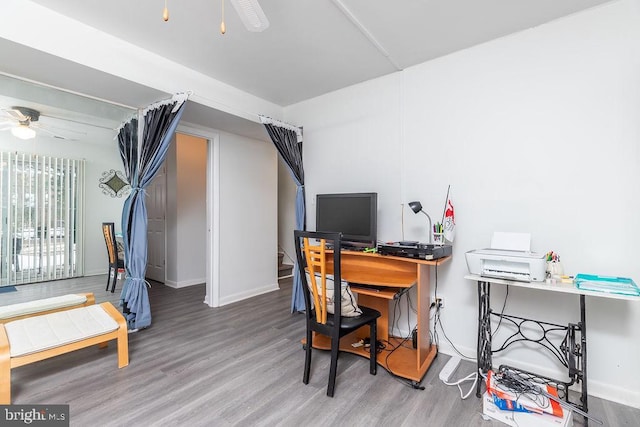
473,376
401,380
397,312
504,305
437,321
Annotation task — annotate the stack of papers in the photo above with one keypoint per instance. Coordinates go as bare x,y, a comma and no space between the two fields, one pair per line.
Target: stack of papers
610,284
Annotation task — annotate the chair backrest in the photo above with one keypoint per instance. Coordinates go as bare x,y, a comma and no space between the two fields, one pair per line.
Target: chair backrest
109,233
315,256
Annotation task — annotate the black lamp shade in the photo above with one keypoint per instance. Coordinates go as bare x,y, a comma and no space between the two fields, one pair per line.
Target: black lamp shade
415,206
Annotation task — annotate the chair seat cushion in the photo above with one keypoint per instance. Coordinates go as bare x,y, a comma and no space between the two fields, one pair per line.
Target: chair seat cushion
39,333
349,305
354,322
37,306
367,315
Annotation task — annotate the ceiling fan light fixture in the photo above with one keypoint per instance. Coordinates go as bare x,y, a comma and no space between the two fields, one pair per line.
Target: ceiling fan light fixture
223,27
23,132
251,15
165,12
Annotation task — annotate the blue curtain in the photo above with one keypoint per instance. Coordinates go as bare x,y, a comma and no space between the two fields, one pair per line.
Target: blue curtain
143,143
290,150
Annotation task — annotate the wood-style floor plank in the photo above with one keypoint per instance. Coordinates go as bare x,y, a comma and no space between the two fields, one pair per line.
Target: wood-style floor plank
238,365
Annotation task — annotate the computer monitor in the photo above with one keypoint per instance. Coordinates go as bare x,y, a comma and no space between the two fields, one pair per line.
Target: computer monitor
352,214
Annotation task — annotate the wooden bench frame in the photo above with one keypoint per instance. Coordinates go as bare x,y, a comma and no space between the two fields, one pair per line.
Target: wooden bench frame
7,362
90,301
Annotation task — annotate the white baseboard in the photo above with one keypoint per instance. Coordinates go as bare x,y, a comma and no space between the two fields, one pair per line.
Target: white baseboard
95,273
169,283
184,283
248,294
616,394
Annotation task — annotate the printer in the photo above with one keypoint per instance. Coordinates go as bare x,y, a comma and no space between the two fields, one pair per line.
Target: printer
509,258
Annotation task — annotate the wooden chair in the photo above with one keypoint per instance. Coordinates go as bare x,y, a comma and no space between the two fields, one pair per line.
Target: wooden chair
319,319
116,263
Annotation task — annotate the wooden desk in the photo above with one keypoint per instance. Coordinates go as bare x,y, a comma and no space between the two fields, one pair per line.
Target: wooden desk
391,274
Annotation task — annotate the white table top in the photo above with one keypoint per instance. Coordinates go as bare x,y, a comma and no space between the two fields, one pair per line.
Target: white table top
568,288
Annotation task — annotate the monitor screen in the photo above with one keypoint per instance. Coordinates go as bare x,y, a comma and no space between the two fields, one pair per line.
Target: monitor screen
353,214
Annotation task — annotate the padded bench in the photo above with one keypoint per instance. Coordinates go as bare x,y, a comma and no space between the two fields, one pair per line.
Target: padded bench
37,338
9,313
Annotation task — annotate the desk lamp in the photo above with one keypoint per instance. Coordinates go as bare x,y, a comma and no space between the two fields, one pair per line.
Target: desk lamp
417,207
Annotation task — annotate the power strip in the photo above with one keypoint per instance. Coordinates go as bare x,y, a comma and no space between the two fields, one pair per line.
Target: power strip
449,368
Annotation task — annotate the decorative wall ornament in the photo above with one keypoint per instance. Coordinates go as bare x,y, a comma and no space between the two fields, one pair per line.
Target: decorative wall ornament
114,183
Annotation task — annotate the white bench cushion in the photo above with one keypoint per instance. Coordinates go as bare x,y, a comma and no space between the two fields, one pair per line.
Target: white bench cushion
36,306
39,333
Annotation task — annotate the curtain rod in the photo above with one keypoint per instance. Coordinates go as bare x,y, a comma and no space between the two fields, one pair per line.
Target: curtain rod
179,98
268,120
248,115
183,96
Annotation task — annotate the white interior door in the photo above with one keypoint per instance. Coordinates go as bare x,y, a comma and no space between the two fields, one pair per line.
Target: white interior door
156,234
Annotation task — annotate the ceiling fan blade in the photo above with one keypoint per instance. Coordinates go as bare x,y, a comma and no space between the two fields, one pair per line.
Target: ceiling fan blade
15,114
251,15
47,120
60,133
8,114
52,134
53,129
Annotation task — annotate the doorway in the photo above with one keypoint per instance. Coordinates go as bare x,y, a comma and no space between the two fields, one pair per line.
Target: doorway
179,213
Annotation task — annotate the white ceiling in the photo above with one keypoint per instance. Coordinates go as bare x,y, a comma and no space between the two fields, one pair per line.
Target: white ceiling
312,46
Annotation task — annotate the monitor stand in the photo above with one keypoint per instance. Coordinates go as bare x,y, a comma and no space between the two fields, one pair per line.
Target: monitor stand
356,246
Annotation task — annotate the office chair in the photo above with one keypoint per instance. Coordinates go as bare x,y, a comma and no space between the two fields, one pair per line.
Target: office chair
116,262
316,261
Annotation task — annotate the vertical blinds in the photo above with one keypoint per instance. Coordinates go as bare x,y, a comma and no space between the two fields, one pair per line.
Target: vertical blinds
41,211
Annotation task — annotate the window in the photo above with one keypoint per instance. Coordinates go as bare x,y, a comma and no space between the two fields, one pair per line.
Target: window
40,207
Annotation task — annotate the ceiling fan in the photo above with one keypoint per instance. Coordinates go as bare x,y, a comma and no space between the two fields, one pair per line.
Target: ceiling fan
249,11
23,122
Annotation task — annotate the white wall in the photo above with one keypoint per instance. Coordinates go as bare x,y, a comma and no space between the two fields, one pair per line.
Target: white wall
536,132
100,155
186,211
351,144
248,218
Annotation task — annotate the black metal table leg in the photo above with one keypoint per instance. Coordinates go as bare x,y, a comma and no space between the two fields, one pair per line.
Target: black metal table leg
583,343
483,355
479,342
570,352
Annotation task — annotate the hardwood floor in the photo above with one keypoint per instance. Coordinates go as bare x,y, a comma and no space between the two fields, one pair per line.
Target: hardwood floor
238,365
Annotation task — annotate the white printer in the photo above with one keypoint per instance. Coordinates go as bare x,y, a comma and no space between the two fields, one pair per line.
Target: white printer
509,258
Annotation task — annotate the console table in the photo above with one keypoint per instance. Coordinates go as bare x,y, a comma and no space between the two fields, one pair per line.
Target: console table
389,275
571,352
